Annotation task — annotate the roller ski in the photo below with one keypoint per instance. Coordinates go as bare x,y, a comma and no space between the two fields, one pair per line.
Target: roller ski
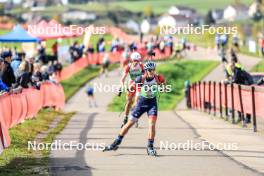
151,151
113,147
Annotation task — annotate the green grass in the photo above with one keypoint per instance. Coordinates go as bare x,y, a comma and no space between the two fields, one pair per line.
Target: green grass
17,160
74,83
259,67
157,6
161,6
176,73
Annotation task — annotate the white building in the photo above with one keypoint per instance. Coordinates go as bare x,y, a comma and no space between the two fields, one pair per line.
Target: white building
236,12
182,10
78,15
174,20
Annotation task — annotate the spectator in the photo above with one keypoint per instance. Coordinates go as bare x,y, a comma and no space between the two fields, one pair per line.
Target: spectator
233,56
45,74
100,46
36,76
51,68
90,49
105,65
3,86
54,49
24,78
240,76
235,42
58,68
42,53
8,76
16,61
74,51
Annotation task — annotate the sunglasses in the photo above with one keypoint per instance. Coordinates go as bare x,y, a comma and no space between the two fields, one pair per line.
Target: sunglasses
150,70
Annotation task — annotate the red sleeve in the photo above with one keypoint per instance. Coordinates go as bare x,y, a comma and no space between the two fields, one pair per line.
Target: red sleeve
161,79
127,69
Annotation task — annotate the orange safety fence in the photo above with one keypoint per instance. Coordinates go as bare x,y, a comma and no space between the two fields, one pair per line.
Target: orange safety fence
15,108
222,98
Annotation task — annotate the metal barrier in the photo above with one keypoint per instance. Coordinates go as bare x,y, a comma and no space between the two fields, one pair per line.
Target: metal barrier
224,98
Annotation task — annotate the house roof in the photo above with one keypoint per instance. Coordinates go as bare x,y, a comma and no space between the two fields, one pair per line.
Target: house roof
180,7
240,7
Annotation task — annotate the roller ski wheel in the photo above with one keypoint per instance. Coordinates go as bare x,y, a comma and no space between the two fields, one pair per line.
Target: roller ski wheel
151,151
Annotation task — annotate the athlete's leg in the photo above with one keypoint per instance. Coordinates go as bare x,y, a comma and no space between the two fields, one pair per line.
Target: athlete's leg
129,102
152,127
137,112
129,99
152,114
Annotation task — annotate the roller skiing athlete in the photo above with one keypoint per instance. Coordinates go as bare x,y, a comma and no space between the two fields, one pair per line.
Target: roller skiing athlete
134,69
149,85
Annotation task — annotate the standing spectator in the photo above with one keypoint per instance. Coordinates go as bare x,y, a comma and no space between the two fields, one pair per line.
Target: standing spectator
74,51
100,46
3,86
17,59
42,53
54,49
45,74
235,42
58,68
8,76
217,41
105,65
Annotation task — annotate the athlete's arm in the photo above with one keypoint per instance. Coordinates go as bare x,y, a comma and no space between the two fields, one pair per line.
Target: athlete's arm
124,75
